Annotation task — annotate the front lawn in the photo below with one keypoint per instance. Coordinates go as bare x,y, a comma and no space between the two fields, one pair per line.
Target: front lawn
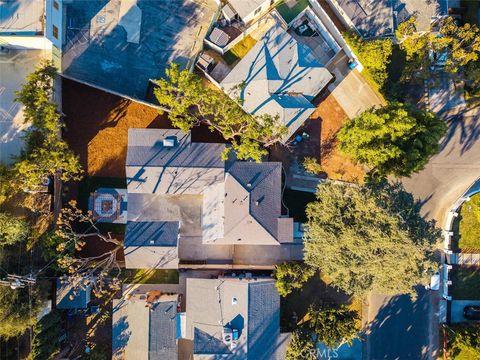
465,283
469,225
149,276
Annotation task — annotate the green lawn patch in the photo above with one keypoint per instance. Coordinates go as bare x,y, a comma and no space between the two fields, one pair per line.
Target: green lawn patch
296,202
149,276
91,183
290,13
469,225
239,50
465,283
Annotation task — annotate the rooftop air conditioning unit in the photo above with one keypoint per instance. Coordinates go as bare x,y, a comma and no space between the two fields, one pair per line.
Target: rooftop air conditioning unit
170,141
227,335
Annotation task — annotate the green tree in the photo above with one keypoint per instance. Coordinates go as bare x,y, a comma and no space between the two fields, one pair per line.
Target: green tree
465,343
311,165
44,153
191,104
46,335
290,276
12,229
393,140
333,325
302,346
369,238
373,54
18,310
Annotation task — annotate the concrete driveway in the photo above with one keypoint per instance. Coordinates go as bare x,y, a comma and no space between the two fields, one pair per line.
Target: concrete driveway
15,65
354,94
398,328
456,315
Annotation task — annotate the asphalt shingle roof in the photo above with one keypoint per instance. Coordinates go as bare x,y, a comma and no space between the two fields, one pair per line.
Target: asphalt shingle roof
264,182
162,331
151,233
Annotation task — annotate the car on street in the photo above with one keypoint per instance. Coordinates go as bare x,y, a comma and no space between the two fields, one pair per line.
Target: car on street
472,312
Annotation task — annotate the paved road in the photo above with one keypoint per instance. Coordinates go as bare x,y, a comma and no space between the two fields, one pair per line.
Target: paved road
454,169
399,327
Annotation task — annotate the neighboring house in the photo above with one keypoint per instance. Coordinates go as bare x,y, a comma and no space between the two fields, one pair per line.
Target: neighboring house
280,76
232,318
21,17
380,18
245,10
186,205
22,47
120,45
72,296
145,324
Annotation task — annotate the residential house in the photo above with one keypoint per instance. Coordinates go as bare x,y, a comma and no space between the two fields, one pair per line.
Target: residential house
120,45
281,76
380,18
72,296
187,206
245,10
145,324
232,318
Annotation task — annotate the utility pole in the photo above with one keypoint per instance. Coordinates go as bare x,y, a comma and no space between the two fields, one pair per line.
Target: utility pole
18,282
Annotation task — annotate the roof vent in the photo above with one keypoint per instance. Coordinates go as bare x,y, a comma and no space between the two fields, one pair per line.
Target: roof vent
234,301
152,241
257,202
227,335
249,185
170,141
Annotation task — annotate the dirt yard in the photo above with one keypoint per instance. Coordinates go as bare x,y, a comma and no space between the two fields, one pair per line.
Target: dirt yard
336,165
97,126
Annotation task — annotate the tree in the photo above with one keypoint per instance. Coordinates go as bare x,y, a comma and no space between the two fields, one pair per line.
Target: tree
191,104
396,139
461,42
18,310
12,229
44,153
46,335
302,346
290,276
97,271
333,325
373,54
465,343
311,165
369,238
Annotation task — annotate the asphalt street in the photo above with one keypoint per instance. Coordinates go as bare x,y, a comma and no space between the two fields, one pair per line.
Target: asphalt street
455,168
398,328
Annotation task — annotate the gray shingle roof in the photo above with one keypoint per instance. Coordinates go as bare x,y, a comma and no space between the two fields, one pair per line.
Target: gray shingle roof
81,297
263,320
264,183
256,315
151,233
162,331
145,148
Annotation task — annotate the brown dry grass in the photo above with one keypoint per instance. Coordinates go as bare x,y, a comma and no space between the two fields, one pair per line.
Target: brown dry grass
97,127
335,164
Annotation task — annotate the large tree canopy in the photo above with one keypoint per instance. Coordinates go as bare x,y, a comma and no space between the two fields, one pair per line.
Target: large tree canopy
44,152
333,325
290,276
12,229
369,239
464,341
191,104
302,346
396,139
